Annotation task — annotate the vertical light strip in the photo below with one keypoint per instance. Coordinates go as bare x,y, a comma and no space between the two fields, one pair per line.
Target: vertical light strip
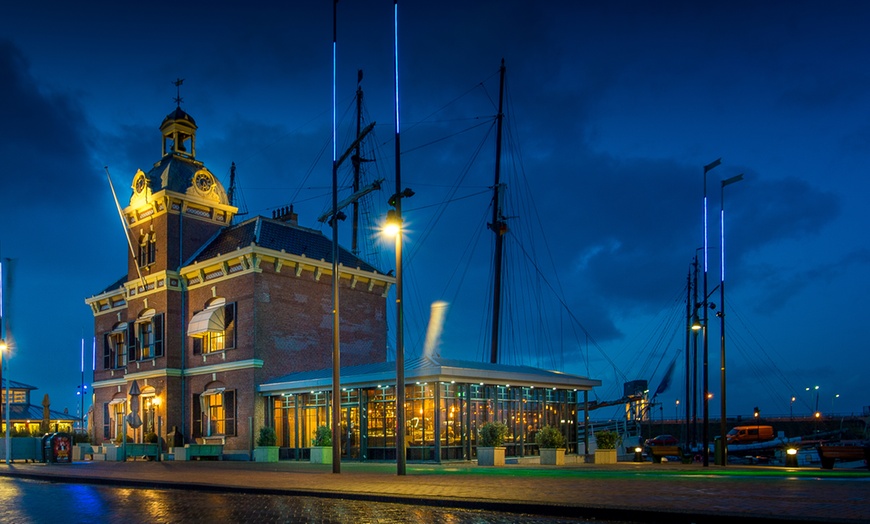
722,243
83,357
396,56
705,222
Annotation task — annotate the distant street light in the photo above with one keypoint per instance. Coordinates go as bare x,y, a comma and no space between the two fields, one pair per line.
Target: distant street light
791,408
835,397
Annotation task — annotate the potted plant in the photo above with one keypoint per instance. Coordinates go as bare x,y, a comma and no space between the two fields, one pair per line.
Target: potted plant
551,444
321,446
490,437
267,445
606,442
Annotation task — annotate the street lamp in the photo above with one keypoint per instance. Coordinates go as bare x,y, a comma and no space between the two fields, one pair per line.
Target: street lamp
706,436
791,408
835,397
816,389
723,423
393,226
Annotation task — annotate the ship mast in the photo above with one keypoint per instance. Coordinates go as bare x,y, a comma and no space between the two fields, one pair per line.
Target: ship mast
498,225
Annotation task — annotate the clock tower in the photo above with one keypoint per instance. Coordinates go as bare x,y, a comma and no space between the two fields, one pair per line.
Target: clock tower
176,206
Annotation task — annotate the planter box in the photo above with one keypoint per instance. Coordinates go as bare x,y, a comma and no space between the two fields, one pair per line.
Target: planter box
321,455
490,456
80,451
553,456
605,456
266,454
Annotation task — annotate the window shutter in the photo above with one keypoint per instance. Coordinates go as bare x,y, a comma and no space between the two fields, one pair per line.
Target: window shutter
158,335
230,325
107,422
197,416
108,358
197,345
230,412
131,342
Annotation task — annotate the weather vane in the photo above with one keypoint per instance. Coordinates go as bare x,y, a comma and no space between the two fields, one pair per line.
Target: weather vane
178,99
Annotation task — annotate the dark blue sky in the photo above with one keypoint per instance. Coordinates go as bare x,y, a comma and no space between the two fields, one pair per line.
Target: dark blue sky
612,113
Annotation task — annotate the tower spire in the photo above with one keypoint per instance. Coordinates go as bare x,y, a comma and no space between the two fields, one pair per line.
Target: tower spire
178,100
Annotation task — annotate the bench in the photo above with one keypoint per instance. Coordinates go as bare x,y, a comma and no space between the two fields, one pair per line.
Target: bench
831,453
199,451
148,450
657,452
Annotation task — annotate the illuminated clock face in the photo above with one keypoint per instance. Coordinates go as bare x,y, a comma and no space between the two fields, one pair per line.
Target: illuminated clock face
203,182
140,184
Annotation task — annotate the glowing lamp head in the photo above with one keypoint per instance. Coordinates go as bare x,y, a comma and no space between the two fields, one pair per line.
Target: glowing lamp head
393,225
791,451
638,449
156,401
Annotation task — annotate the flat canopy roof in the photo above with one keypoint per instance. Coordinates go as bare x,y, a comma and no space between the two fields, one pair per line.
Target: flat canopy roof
428,369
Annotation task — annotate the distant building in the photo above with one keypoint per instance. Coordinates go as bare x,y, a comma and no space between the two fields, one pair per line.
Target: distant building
217,327
27,418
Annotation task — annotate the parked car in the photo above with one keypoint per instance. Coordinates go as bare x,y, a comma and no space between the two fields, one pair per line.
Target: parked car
750,434
662,440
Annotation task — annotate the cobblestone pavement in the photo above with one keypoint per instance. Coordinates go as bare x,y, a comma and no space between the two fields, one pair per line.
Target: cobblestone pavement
626,491
28,501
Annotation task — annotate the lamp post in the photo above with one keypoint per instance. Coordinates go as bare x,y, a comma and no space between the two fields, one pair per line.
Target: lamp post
791,409
816,390
835,397
394,226
723,423
706,430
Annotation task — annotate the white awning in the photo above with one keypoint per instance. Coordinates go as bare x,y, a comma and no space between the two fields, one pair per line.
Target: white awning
117,401
209,320
120,327
213,391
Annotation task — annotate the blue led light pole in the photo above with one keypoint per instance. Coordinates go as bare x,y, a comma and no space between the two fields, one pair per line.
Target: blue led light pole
706,429
723,424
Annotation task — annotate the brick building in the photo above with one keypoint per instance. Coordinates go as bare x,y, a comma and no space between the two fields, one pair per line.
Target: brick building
207,310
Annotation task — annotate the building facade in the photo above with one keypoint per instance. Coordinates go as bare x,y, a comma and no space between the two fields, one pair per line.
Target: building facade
208,309
26,418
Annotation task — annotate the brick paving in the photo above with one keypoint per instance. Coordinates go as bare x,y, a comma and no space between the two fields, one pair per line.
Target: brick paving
625,491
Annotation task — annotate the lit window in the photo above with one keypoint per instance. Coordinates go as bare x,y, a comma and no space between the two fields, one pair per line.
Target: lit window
145,337
147,249
214,328
214,413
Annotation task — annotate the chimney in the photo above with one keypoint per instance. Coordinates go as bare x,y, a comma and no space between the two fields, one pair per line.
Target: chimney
286,214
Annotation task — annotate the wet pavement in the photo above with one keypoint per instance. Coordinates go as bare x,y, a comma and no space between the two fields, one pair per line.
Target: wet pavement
26,500
636,492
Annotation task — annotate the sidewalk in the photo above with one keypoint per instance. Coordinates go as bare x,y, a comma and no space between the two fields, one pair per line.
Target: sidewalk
625,491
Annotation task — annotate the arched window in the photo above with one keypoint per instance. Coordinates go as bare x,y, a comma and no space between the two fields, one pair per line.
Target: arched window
147,249
214,411
145,336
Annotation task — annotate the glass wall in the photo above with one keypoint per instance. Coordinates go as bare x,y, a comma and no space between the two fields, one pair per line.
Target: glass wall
441,419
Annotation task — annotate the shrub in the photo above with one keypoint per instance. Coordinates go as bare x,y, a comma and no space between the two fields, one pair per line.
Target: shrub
607,439
267,437
492,434
322,437
150,438
550,437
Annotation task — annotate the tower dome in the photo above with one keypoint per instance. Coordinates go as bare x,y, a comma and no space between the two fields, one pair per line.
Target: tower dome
179,134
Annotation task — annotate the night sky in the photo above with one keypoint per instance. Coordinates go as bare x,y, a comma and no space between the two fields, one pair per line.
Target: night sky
610,115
